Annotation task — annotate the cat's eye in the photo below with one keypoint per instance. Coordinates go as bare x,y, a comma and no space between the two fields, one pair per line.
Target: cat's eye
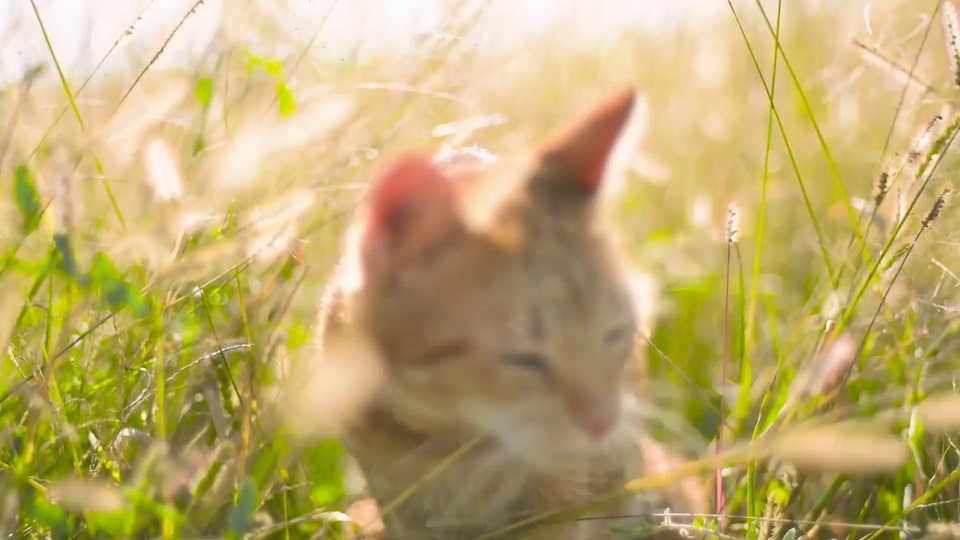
528,360
617,335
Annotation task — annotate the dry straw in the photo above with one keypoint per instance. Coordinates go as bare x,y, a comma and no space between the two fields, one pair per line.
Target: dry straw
940,413
840,448
163,173
87,495
321,394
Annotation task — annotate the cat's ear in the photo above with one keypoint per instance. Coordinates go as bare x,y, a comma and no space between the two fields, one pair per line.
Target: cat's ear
412,207
575,159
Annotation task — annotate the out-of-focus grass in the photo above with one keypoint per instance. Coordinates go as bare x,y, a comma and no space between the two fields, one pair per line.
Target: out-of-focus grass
146,343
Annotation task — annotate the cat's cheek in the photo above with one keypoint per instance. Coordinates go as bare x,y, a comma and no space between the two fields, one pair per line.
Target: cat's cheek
506,424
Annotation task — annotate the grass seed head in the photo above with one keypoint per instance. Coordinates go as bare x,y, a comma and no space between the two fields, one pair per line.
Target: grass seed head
882,188
733,223
938,205
951,31
924,140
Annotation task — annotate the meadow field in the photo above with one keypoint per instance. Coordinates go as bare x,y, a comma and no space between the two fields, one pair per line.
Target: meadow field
169,224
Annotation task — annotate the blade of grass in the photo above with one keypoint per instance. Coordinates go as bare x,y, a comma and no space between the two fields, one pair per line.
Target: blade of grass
163,47
224,374
50,378
160,416
718,473
793,160
831,163
755,277
951,135
76,113
761,218
886,143
931,217
910,76
246,419
946,482
128,31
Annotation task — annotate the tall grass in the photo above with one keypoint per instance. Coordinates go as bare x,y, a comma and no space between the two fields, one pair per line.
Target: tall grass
169,233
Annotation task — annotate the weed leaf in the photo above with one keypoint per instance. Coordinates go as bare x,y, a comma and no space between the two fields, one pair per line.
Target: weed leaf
27,198
204,90
240,520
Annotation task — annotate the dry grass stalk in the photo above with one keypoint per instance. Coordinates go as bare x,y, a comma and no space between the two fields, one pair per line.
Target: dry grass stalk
840,448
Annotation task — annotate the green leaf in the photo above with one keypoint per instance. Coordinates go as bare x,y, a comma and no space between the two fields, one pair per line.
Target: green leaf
67,261
896,256
199,145
102,269
285,96
322,463
240,520
28,268
273,67
326,494
115,289
114,524
780,491
790,535
888,503
269,458
204,90
27,198
50,516
33,72
297,336
253,61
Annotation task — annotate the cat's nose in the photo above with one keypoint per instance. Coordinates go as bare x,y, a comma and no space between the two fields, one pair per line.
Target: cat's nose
599,427
596,412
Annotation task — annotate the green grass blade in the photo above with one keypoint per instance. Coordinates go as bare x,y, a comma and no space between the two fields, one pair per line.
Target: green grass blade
758,255
76,113
831,163
793,160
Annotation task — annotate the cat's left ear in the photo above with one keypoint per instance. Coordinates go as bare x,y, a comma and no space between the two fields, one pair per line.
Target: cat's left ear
577,157
411,210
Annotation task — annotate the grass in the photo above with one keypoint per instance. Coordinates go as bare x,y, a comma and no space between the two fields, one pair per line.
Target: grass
172,231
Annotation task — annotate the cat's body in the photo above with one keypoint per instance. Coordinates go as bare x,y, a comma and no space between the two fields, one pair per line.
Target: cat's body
504,317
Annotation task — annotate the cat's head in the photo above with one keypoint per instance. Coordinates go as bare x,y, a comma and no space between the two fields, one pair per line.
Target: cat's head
495,295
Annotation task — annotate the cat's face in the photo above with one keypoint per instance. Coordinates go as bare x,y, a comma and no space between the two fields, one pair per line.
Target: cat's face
496,298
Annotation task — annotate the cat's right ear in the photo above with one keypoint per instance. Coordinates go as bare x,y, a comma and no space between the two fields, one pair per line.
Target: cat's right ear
412,209
574,161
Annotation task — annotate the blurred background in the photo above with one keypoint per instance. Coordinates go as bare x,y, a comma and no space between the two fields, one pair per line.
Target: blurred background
86,29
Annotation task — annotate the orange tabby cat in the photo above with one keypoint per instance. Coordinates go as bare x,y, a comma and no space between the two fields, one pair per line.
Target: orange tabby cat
503,314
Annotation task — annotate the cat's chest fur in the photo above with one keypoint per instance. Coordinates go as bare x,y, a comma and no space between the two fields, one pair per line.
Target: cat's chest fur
480,487
484,489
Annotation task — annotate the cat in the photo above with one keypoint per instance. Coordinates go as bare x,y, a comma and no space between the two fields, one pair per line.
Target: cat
502,310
